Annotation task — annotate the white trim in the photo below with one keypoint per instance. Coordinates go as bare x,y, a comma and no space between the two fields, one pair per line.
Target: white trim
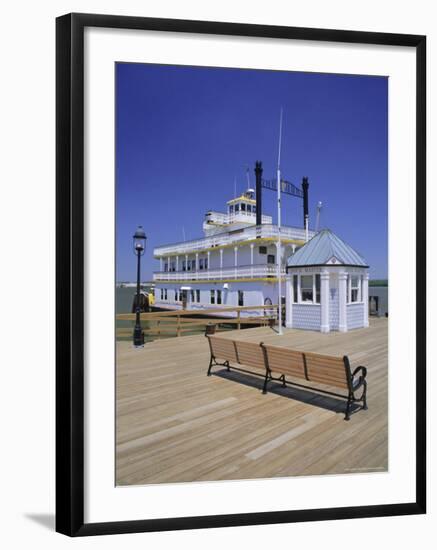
289,302
313,302
324,300
350,288
342,301
365,297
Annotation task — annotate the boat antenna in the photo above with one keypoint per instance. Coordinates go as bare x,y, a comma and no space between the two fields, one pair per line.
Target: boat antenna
247,176
278,249
319,209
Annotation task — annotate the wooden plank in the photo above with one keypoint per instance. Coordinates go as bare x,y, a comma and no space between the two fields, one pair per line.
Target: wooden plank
175,424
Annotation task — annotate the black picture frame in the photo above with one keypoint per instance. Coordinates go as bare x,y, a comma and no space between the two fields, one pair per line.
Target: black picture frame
70,273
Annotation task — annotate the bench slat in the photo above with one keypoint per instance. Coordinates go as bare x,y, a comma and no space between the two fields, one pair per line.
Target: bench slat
329,381
285,361
330,360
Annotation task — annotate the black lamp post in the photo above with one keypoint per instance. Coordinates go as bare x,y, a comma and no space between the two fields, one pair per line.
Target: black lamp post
139,248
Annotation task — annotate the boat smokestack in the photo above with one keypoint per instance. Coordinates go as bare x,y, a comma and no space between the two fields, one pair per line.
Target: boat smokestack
305,186
258,176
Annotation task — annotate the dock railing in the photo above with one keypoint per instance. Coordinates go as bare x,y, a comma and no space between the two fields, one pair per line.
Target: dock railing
179,322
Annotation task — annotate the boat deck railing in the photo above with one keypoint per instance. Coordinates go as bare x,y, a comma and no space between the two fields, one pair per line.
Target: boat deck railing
265,231
226,273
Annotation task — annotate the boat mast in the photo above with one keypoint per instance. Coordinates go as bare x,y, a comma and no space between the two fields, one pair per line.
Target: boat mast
278,253
319,209
305,186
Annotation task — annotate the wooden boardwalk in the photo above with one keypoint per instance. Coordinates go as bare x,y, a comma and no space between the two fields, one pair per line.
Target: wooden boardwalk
175,424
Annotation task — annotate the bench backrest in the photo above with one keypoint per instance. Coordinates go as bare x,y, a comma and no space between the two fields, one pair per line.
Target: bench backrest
235,351
250,354
285,361
223,348
326,369
314,367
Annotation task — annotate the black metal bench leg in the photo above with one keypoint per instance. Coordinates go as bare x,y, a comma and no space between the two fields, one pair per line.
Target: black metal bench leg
348,407
211,363
226,363
266,379
283,381
365,396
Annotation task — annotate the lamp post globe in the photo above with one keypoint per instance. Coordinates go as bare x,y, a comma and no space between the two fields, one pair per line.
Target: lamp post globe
139,246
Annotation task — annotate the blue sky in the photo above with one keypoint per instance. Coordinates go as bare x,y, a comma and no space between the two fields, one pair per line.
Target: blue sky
185,134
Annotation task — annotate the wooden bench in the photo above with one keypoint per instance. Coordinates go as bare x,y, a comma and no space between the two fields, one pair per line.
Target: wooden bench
277,363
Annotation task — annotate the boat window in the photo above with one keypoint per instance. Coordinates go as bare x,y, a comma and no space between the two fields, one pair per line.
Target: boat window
271,259
240,298
306,288
201,263
243,207
197,295
237,207
262,250
184,265
212,300
219,296
295,289
193,265
166,266
205,263
165,294
249,208
192,295
231,209
162,294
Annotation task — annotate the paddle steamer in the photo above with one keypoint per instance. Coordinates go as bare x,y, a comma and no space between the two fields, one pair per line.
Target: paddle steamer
235,263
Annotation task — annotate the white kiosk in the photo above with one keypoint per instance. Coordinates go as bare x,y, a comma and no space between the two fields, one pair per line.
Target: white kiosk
327,286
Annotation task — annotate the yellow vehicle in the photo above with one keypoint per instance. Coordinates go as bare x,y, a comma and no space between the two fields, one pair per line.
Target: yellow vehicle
147,300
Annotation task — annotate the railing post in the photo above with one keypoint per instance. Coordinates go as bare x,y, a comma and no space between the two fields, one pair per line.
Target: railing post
239,320
179,326
159,329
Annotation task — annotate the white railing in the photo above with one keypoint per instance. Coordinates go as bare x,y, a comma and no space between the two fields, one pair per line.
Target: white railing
240,272
248,233
240,220
235,217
